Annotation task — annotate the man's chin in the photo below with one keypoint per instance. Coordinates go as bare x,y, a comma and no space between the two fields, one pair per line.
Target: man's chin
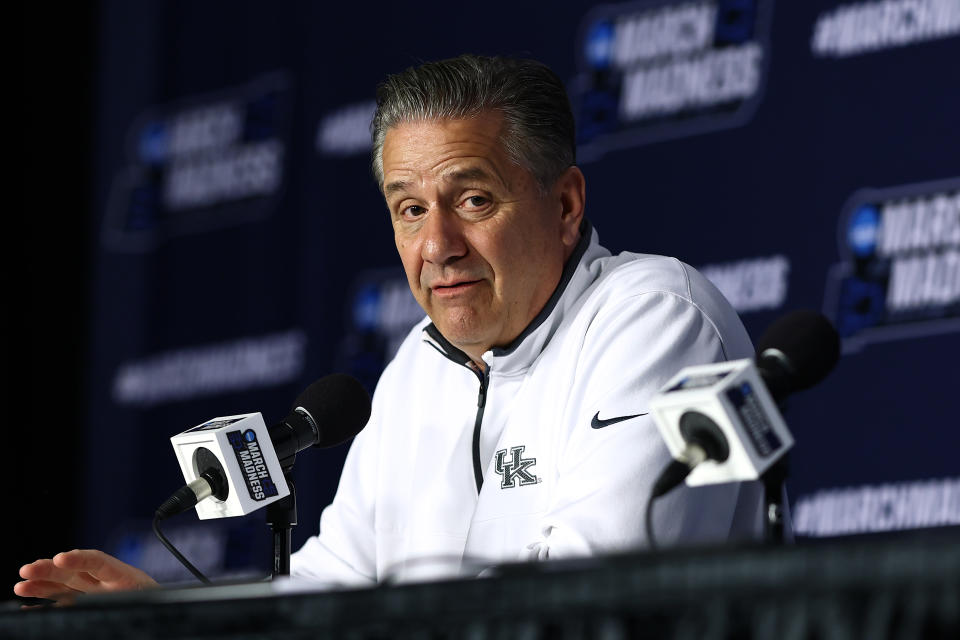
464,336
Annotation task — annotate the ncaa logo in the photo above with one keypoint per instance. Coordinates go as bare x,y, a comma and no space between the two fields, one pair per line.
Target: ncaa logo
152,145
598,47
862,231
366,308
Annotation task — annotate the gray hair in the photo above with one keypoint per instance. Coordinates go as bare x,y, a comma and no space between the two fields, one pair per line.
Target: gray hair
539,129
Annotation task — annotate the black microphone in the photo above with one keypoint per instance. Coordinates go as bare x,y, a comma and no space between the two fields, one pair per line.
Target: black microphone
796,352
330,411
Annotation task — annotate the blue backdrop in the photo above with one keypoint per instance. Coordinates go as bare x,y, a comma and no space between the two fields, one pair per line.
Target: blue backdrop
802,154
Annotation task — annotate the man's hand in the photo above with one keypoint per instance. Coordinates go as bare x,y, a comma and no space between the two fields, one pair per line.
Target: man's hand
79,571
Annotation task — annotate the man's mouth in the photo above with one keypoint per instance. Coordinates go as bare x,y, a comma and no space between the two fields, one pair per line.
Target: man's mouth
453,288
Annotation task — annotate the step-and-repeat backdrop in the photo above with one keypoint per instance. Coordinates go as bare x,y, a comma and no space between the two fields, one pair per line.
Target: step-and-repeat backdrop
801,154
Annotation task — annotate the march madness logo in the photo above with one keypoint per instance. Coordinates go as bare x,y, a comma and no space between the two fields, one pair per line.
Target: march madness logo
380,313
256,475
900,274
206,162
657,70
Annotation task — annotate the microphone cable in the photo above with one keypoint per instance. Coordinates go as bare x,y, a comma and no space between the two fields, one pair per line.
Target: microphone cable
648,523
210,483
176,554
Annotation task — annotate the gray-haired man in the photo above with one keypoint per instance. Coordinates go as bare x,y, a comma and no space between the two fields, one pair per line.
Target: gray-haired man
512,423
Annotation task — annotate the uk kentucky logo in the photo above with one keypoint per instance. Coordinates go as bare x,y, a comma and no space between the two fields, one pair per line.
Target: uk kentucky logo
516,468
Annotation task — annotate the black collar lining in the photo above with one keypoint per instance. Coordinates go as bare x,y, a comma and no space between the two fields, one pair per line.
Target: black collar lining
573,262
446,348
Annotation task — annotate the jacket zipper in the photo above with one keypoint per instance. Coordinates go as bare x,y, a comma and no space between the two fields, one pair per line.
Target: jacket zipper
481,404
450,352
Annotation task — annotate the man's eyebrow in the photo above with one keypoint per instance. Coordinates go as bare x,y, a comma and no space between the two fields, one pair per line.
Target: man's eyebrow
394,187
470,173
466,174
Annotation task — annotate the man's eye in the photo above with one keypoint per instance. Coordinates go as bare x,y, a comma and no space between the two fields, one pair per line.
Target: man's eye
413,211
476,201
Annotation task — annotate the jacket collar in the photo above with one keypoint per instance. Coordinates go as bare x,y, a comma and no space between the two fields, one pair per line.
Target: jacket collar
517,356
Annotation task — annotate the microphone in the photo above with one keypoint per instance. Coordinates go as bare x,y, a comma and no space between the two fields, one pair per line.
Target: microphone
721,422
240,462
796,352
338,402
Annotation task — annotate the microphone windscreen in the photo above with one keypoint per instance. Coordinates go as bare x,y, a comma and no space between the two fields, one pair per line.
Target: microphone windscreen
808,341
340,406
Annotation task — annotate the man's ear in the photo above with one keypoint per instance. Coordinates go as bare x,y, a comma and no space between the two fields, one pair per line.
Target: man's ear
572,190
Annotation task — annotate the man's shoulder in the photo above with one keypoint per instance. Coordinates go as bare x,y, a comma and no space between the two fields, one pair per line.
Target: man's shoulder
628,274
634,280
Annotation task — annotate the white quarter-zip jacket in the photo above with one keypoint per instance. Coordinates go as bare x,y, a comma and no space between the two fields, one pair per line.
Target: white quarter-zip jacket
548,453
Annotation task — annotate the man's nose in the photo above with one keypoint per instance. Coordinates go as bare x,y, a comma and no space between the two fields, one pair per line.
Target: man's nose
442,235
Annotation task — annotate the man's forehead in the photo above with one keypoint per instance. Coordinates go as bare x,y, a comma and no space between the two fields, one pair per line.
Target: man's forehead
468,172
482,133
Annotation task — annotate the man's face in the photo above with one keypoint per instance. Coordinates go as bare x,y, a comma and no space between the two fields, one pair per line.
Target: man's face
483,249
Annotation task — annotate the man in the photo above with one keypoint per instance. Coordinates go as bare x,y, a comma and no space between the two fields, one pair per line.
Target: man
513,422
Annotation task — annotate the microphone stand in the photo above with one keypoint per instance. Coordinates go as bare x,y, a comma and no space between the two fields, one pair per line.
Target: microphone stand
773,480
282,517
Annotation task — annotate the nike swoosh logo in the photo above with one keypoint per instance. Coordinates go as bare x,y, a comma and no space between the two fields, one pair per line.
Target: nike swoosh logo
597,423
